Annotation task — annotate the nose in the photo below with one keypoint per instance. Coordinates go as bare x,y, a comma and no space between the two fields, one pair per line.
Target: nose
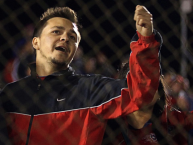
64,37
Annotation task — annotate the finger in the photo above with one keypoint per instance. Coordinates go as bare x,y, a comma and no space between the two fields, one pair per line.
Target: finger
143,19
140,10
144,23
143,15
148,18
138,6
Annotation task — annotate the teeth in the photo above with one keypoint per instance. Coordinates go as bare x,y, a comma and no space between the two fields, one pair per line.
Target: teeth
61,48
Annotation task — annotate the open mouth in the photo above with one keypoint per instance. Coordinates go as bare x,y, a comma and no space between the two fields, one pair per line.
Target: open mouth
61,49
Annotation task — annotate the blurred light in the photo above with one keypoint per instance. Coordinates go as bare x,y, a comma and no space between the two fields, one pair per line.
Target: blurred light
186,6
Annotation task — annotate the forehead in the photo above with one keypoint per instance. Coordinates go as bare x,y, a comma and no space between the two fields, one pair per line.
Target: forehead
61,22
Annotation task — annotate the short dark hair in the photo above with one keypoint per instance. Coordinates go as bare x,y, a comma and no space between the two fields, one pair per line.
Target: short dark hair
64,12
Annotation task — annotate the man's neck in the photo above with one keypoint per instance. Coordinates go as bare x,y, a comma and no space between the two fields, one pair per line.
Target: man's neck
45,70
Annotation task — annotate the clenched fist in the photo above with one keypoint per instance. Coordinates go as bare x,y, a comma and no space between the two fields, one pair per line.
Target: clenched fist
144,21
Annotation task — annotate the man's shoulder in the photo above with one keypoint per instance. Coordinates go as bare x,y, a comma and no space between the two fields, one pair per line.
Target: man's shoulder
17,83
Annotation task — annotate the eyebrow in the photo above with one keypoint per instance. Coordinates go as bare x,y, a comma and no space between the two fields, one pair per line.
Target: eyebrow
62,28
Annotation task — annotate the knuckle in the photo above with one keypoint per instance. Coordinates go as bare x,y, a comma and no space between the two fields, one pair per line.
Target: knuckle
136,11
141,20
141,7
137,6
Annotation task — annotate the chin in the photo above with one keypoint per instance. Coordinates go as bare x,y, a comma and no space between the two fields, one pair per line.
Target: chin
59,62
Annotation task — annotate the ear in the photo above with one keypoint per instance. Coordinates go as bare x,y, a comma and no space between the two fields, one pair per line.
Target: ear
35,43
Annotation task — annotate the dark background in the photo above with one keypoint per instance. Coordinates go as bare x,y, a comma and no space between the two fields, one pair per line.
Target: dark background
108,26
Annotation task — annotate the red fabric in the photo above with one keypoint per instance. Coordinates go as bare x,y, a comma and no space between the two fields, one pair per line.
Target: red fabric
19,124
7,71
144,70
173,101
42,78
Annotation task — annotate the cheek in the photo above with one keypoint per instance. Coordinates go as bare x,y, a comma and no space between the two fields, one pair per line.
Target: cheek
48,42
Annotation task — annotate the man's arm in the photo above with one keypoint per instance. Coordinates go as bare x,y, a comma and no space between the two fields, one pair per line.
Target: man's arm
138,118
144,62
144,25
143,78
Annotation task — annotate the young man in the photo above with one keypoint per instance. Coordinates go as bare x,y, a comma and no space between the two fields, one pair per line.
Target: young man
54,106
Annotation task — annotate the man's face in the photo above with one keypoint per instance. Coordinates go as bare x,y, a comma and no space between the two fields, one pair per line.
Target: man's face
57,43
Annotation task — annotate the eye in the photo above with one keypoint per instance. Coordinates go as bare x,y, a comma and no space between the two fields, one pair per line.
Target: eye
72,37
56,32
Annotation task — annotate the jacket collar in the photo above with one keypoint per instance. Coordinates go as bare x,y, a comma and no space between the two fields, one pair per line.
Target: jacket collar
68,71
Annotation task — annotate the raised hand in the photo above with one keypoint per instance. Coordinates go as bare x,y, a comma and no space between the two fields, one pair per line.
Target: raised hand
144,21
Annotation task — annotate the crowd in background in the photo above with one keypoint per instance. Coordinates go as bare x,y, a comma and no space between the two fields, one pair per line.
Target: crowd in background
21,55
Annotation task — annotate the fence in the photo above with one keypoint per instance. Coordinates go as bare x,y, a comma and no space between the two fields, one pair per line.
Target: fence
108,27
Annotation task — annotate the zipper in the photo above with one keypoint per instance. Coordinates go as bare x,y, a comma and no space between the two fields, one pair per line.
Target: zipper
29,129
39,85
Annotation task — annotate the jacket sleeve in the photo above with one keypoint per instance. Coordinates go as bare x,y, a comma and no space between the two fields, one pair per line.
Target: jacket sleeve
142,80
